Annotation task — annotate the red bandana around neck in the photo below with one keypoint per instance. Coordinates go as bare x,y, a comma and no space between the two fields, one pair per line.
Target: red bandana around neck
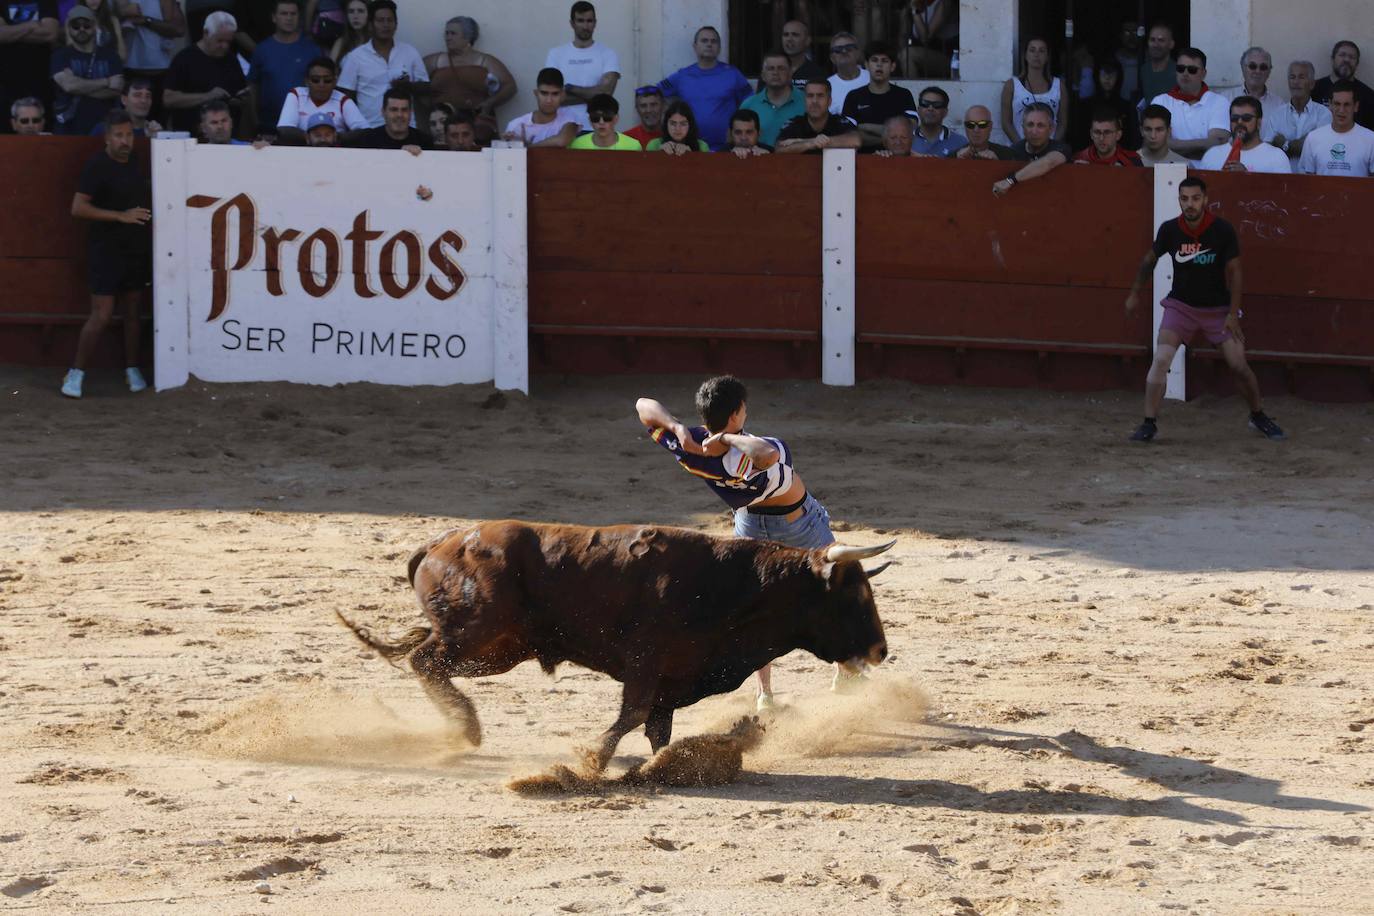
1203,224
1182,96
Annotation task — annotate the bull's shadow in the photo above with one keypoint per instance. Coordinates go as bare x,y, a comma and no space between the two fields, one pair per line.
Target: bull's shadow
1191,778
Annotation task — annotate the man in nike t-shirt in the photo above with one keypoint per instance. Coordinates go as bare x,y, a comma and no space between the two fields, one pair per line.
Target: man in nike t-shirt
1205,298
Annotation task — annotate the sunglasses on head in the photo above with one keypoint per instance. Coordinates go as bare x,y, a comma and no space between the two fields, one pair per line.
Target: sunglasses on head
1189,68
1254,66
927,103
598,117
648,90
977,125
1243,118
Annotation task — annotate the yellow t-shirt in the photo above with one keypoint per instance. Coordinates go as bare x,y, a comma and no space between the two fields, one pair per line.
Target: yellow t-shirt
622,142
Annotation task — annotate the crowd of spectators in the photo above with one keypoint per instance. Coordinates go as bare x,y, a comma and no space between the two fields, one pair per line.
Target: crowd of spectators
68,63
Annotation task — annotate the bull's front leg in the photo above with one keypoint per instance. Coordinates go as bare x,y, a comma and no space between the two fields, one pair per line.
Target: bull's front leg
659,728
636,702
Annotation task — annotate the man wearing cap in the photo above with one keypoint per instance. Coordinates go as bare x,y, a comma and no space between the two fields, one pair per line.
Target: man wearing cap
320,130
649,107
604,113
88,77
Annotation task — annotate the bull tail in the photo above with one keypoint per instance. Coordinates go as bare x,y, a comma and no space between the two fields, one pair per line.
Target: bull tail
390,651
414,562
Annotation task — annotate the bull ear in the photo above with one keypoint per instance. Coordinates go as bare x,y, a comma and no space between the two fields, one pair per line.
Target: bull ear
873,573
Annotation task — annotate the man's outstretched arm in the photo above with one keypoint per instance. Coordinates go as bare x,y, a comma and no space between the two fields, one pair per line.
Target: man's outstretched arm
655,416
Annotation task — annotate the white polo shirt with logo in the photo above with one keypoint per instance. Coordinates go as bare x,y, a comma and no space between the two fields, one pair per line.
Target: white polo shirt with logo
1350,155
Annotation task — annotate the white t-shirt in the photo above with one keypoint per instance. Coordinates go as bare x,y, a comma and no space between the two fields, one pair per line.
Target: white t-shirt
524,127
1264,158
839,88
1192,120
1349,155
367,74
297,108
1022,98
582,66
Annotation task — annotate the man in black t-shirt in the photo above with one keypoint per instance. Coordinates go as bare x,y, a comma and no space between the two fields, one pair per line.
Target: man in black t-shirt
870,106
818,129
204,72
395,132
30,29
1345,60
114,193
1205,298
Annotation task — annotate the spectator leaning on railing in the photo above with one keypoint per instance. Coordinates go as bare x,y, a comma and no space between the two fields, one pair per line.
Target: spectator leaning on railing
461,133
604,113
1155,137
1300,115
88,78
589,69
1345,60
203,72
115,195
897,134
549,124
1040,151
1247,152
649,107
26,117
320,130
712,87
818,129
680,135
744,135
396,131
1342,147
978,131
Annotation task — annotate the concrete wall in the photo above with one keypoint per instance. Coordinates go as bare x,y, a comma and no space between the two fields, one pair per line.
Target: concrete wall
1306,31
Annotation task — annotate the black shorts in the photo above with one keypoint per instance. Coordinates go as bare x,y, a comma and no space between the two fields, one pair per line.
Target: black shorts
115,270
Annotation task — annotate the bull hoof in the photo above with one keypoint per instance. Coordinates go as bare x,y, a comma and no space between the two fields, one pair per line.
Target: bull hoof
473,734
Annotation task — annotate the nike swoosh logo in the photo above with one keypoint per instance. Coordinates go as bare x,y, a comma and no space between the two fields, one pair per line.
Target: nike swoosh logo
1185,258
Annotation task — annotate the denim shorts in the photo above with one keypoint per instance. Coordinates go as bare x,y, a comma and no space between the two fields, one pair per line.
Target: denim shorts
809,531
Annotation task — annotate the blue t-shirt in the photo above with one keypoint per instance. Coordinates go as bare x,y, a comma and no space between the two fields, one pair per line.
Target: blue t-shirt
948,143
77,115
278,68
731,476
714,95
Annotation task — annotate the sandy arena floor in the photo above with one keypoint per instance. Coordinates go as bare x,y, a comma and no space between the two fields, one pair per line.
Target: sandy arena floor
1123,679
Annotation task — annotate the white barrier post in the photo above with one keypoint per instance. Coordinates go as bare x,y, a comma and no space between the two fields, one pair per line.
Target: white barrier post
171,276
837,267
1167,178
510,269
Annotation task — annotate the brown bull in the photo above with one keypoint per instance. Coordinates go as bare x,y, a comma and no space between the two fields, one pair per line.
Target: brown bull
674,615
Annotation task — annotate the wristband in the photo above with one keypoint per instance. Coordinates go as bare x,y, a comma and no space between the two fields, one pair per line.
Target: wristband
1012,179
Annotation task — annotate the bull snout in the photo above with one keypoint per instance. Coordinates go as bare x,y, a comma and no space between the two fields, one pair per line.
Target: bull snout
877,654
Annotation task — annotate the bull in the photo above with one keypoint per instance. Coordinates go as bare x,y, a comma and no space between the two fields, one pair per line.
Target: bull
674,615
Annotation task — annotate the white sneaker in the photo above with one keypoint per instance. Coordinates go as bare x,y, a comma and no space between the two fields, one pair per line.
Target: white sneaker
765,703
135,380
71,383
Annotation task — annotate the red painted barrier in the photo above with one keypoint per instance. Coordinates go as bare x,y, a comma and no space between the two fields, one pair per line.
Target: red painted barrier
45,298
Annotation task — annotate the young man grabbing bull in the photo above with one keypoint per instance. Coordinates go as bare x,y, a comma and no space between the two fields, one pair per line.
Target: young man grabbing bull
752,474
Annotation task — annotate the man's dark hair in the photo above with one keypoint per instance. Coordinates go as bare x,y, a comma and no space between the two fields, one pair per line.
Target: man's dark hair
116,116
718,398
549,76
1191,182
776,52
396,92
935,90
1159,24
880,48
1345,86
300,7
705,28
1105,115
1248,101
325,62
819,81
381,5
1195,54
213,106
136,82
1038,106
693,135
1157,111
1346,43
581,6
603,103
745,114
461,116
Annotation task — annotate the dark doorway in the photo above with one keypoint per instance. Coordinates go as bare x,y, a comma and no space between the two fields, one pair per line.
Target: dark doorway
1097,24
755,27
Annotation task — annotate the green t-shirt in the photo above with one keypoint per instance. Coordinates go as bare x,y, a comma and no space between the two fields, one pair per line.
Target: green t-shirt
656,145
622,141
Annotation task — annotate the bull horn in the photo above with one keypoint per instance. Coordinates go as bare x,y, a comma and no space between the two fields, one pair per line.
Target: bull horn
836,553
873,573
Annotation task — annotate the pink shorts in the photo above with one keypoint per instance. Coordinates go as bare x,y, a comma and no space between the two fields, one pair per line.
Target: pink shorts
1186,321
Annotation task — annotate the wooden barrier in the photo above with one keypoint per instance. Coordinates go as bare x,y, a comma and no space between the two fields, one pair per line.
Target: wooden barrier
45,296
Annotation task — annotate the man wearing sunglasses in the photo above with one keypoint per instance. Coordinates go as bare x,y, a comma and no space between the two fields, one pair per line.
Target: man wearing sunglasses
1345,60
978,130
88,78
1040,152
848,75
1200,119
649,107
604,113
933,138
1256,66
1247,127
26,117
317,96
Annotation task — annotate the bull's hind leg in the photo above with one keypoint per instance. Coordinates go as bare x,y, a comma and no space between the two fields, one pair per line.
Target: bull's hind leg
432,666
659,728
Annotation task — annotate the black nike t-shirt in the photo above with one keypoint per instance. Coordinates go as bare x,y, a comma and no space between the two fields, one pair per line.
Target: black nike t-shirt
863,106
1200,257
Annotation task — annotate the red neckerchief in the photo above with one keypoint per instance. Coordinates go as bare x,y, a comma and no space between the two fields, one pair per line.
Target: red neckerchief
1195,235
1118,157
1176,93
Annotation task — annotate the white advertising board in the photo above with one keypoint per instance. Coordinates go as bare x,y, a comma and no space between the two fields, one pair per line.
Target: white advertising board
330,266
